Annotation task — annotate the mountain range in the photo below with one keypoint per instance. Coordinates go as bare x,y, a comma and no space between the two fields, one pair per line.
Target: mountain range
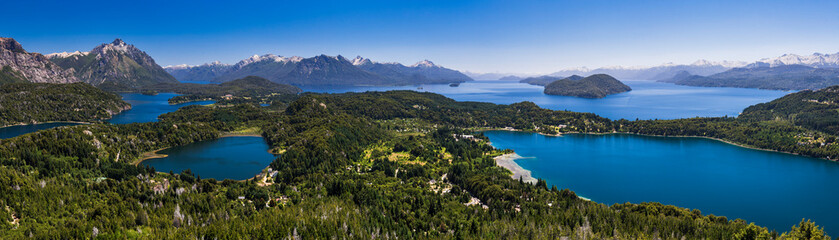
787,72
665,71
783,77
321,70
669,70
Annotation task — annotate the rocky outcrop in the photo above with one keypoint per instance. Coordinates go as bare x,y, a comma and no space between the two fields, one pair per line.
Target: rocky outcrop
32,67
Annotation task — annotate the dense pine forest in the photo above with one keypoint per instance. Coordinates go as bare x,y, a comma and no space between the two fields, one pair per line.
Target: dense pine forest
396,164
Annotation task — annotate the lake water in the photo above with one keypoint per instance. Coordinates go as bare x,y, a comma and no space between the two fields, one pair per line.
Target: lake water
771,189
236,158
146,108
647,100
14,131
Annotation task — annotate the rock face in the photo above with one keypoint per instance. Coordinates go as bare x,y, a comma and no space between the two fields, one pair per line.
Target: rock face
594,86
114,66
19,65
321,70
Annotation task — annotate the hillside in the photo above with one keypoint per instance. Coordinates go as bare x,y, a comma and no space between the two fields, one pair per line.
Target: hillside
18,65
25,103
114,66
783,77
594,86
818,110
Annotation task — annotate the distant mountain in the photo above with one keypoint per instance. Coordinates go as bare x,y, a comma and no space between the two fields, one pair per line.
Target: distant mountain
545,80
782,77
510,78
816,60
594,86
18,65
203,72
662,72
425,72
114,66
321,70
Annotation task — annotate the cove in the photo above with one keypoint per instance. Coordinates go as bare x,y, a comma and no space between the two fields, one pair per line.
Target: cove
146,108
771,189
647,100
17,130
236,158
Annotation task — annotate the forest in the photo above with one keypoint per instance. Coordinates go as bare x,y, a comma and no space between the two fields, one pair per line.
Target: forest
358,166
25,103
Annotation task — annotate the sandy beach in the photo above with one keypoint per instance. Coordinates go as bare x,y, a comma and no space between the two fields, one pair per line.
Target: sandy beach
508,161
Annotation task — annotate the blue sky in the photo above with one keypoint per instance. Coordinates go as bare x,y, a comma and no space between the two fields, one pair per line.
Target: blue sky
481,36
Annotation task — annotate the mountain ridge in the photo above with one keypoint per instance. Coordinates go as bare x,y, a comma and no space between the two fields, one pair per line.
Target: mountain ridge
321,70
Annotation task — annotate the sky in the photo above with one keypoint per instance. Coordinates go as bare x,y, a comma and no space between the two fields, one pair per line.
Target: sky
516,36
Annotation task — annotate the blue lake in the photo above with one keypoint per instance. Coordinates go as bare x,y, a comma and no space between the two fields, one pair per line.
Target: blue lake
647,100
146,108
14,131
236,158
771,189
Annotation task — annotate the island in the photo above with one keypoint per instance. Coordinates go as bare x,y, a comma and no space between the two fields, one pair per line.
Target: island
594,86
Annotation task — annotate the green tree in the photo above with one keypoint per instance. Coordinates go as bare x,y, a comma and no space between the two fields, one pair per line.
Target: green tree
806,230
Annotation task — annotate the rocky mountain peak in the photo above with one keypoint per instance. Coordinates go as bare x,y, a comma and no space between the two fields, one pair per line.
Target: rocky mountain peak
424,63
11,45
32,67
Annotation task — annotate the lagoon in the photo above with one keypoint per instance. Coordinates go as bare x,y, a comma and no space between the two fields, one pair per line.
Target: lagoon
647,100
236,158
771,189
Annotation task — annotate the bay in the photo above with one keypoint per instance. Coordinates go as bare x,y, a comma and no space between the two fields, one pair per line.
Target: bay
769,188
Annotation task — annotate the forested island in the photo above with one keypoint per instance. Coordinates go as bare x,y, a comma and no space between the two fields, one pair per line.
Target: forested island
366,165
594,86
252,88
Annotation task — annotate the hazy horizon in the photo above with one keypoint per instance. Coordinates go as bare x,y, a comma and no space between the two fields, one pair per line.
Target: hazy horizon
481,37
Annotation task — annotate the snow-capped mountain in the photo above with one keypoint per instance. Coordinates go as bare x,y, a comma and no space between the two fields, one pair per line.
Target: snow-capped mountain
320,70
664,71
117,65
816,60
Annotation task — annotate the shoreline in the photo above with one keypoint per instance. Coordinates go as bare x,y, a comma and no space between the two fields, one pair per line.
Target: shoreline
47,122
507,161
150,155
